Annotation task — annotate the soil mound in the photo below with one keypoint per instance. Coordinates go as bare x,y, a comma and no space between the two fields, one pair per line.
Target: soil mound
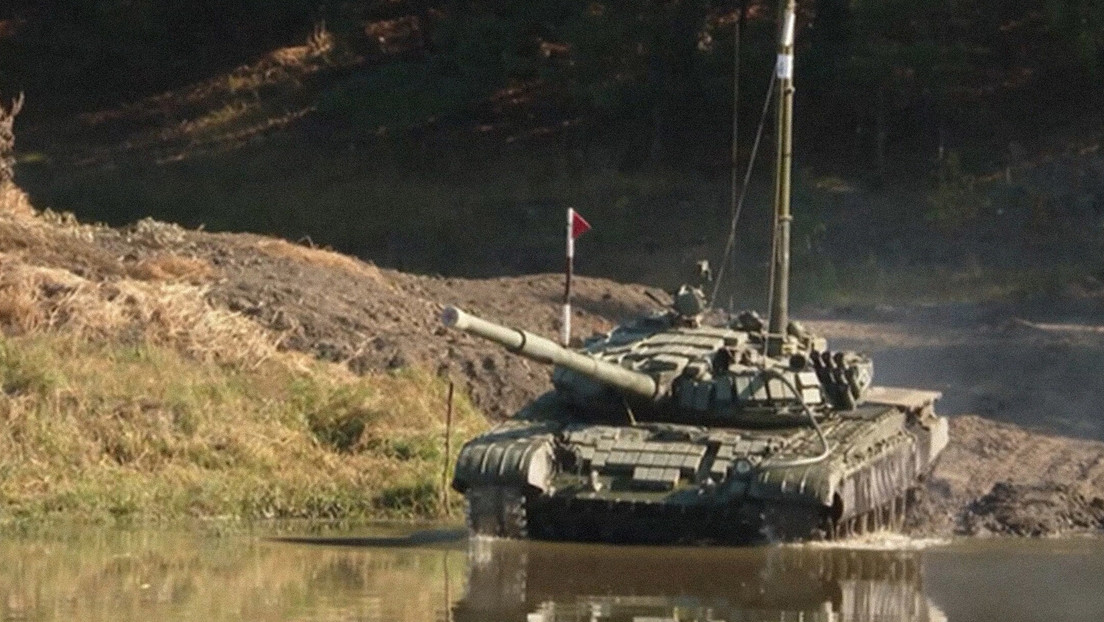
1038,510
1002,479
329,305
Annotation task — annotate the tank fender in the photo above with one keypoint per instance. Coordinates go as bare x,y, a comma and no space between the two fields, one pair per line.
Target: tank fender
513,463
936,440
807,484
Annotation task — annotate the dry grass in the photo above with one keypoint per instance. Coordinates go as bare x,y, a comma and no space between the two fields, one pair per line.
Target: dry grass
55,240
12,199
36,299
173,268
319,44
14,202
7,141
320,257
223,113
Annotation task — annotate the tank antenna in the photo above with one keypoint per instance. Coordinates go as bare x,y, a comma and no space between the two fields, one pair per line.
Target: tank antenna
780,257
733,199
753,157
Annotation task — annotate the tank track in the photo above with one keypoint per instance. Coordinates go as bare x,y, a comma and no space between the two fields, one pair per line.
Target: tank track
625,523
496,511
891,515
510,513
506,512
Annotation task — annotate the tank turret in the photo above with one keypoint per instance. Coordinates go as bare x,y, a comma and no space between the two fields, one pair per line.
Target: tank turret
676,370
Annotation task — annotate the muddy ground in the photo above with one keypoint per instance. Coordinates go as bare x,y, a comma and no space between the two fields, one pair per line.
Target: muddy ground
1023,386
1022,382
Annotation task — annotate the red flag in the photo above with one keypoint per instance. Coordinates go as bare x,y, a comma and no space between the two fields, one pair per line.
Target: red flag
579,225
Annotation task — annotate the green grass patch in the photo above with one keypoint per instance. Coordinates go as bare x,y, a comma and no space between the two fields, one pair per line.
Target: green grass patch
110,433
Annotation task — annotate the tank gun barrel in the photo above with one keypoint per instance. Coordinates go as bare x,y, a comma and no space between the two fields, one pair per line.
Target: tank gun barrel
543,350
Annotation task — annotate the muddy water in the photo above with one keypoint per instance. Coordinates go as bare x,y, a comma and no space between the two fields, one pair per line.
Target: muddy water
437,575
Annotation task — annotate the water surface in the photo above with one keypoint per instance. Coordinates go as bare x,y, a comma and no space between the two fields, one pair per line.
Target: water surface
438,575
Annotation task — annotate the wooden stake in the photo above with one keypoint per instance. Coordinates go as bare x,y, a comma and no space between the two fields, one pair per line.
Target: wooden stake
448,451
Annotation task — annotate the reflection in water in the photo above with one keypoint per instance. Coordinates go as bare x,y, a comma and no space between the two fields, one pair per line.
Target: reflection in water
556,582
116,575
101,575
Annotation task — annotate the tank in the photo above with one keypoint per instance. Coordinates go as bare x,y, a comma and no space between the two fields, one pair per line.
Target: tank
671,429
686,425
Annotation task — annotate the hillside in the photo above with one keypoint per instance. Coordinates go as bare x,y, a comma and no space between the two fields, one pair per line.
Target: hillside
129,395
934,142
154,373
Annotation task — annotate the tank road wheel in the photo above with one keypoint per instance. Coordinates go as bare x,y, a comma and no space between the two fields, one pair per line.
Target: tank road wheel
496,511
480,511
514,518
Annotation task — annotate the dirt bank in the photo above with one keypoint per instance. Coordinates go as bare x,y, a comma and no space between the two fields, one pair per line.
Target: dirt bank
1001,479
1030,461
1033,464
333,306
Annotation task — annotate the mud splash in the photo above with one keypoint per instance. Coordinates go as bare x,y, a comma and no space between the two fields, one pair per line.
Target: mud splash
878,541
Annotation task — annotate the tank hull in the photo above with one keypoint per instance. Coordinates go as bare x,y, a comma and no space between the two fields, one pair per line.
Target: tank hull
664,483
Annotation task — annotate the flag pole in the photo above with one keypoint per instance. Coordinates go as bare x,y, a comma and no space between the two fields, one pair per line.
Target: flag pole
565,329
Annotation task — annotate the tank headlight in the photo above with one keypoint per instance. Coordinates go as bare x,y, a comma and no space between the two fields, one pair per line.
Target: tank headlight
595,483
741,466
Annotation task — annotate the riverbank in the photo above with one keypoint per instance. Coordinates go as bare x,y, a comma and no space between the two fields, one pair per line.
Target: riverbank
128,395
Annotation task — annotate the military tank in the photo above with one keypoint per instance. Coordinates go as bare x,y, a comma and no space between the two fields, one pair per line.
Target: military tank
681,427
669,429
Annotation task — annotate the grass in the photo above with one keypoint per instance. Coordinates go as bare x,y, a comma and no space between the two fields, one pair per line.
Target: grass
394,202
315,142
97,432
478,218
126,396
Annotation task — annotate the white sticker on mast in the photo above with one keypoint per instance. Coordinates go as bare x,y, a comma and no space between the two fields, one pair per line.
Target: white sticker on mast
784,68
565,327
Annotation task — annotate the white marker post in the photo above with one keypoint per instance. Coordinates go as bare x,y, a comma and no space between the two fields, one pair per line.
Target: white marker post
576,226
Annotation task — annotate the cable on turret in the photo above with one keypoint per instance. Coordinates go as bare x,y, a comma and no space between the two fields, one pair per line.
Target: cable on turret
799,462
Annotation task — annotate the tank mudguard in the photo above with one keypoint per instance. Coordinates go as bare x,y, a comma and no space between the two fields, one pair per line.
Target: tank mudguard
512,462
810,485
